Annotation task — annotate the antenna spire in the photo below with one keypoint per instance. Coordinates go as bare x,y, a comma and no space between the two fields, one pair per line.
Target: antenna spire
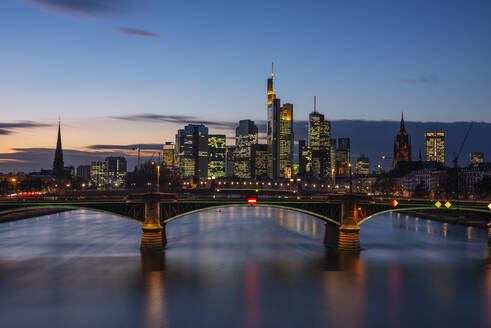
272,69
315,104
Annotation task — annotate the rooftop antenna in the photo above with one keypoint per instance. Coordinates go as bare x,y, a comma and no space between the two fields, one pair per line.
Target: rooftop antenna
315,104
272,69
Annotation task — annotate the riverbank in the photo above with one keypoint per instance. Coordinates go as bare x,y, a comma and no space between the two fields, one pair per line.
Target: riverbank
30,213
469,220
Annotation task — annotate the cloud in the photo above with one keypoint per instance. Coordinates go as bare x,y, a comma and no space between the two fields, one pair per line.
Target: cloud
137,32
86,7
177,119
6,128
126,147
422,79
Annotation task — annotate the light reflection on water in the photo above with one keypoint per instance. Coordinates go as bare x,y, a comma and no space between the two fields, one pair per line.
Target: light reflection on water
242,267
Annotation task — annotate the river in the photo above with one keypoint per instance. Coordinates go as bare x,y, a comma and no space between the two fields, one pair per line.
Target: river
242,267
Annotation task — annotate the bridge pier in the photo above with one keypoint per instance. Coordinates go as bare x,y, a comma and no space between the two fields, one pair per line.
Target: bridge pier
331,236
153,234
349,231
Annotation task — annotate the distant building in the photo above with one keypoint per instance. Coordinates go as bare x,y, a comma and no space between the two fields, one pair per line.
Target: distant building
343,157
333,158
58,165
476,158
98,174
260,160
286,141
69,171
83,171
216,155
295,169
116,171
362,165
304,158
192,151
246,135
168,155
435,147
320,143
402,146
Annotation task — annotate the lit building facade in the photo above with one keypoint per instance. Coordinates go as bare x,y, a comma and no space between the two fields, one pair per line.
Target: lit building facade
333,159
260,156
216,157
320,143
273,131
116,171
229,163
168,155
476,158
304,158
192,151
343,157
362,165
98,174
402,146
246,136
435,147
286,141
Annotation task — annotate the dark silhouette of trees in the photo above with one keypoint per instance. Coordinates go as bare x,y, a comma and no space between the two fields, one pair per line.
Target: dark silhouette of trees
144,178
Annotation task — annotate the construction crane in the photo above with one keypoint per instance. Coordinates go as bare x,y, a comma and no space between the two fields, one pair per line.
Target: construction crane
139,148
457,155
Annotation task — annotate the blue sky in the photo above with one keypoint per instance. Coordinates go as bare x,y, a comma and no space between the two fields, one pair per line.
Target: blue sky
210,60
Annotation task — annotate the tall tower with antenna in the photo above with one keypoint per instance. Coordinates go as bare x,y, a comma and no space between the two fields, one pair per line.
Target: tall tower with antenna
273,129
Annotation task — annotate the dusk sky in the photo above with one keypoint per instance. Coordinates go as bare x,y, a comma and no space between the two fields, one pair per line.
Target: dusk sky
129,72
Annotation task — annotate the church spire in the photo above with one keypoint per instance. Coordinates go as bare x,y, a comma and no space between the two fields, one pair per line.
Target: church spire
58,165
402,121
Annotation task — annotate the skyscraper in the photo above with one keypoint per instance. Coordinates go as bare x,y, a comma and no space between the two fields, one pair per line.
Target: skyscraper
185,161
246,135
320,143
168,155
402,146
435,147
192,151
58,165
273,131
216,155
286,141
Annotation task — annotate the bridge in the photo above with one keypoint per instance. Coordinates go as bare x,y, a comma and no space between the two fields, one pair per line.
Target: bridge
342,214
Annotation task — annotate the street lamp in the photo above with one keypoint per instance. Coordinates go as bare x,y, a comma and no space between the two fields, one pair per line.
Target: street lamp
350,180
158,178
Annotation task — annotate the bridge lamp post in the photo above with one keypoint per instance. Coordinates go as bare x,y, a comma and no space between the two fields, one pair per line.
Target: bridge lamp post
158,178
350,180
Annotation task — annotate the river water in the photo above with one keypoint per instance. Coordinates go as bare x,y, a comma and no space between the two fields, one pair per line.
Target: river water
242,267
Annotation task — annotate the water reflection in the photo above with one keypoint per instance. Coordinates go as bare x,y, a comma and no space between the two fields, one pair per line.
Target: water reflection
153,266
242,267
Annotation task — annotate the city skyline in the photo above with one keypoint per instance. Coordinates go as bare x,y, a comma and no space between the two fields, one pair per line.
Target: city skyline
139,77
